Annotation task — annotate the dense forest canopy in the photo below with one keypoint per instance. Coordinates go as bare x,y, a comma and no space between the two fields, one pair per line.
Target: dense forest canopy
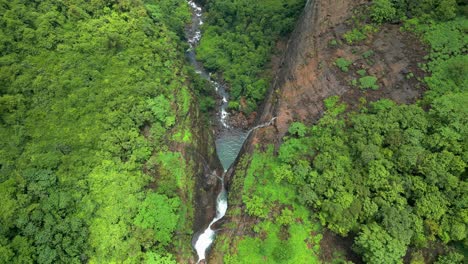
395,174
79,82
238,38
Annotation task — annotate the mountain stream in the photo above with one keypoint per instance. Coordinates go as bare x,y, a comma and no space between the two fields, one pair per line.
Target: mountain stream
229,139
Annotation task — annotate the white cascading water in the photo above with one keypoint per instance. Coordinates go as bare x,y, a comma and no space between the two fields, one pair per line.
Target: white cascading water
229,140
206,238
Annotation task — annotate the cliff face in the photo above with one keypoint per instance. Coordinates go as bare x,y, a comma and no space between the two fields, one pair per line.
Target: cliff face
206,168
305,75
302,79
199,194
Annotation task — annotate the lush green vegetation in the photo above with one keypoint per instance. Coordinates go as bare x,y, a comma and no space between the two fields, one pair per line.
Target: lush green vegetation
395,10
343,64
283,234
359,34
95,94
238,38
448,62
368,82
393,175
91,93
390,174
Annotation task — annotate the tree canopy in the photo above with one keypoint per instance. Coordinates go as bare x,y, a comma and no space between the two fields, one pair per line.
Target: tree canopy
237,41
80,82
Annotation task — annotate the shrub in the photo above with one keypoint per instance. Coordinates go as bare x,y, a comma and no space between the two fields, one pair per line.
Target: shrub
353,36
451,257
368,54
234,105
446,10
343,64
298,129
382,11
361,72
417,258
333,107
368,82
331,101
256,206
377,246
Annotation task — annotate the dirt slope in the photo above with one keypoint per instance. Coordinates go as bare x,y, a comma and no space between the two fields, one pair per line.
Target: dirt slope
306,73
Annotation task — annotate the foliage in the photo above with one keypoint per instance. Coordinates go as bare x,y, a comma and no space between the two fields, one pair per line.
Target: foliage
159,213
368,82
378,247
382,11
297,129
343,64
284,226
204,91
174,14
359,33
448,63
394,10
333,107
333,43
237,40
368,54
393,173
354,35
451,258
438,9
89,93
417,258
361,72
154,258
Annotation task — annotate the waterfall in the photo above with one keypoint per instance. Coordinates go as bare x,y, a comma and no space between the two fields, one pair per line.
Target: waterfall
205,239
229,140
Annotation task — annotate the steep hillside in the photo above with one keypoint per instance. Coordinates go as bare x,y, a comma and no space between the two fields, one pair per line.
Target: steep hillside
338,60
103,149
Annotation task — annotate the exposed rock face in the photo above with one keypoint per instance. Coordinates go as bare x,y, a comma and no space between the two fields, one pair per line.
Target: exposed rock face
205,167
306,74
303,79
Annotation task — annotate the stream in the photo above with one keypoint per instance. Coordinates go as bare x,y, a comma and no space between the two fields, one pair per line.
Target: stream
229,140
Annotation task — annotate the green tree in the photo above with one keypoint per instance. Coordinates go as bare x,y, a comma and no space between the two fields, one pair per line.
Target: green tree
377,246
382,11
160,214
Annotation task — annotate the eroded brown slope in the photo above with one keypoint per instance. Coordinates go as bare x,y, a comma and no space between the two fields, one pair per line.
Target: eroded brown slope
300,85
307,74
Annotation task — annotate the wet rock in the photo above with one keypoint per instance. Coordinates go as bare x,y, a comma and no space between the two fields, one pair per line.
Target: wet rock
238,119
